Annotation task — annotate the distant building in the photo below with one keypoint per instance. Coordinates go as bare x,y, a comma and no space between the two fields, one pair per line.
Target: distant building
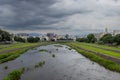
99,35
115,32
60,37
44,38
67,36
22,35
50,35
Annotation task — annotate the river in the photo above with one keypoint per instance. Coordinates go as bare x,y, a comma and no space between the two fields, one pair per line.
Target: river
65,65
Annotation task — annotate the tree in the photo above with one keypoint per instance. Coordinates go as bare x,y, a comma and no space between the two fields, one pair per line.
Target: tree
36,39
117,39
82,39
32,39
4,36
19,39
91,38
107,39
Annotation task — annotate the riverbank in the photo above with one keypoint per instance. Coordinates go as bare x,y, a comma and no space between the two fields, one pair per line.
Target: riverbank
15,50
107,58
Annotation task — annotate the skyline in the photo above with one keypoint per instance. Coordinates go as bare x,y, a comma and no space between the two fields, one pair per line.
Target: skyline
59,16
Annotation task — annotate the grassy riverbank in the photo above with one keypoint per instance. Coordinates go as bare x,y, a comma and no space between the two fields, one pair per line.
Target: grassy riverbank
88,50
19,49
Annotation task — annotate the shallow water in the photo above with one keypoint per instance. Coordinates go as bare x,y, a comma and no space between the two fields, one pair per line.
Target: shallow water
66,65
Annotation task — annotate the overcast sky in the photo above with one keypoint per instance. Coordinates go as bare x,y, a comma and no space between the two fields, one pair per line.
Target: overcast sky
59,16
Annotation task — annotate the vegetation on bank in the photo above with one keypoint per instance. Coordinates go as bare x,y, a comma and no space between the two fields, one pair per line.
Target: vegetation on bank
109,64
115,48
17,46
98,50
11,55
21,49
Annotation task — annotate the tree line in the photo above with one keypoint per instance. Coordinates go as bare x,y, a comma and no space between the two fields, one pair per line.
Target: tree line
29,39
6,36
105,39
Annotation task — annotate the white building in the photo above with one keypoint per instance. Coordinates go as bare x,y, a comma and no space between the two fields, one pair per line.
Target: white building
115,32
44,38
99,35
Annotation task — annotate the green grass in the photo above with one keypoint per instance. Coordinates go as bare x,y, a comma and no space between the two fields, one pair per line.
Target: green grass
16,46
14,54
11,56
14,75
8,45
21,45
43,50
114,48
104,62
97,50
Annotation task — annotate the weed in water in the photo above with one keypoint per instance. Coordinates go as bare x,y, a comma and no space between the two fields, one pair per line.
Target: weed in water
40,64
56,49
14,75
53,55
6,67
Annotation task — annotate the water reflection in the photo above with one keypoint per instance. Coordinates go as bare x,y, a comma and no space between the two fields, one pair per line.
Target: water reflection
66,64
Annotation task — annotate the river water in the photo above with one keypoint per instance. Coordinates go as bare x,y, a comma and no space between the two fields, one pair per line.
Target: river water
66,65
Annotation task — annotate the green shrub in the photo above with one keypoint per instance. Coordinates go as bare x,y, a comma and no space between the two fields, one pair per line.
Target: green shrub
15,75
53,55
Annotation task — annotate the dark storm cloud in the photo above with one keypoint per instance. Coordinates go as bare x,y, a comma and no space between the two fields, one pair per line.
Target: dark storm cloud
58,14
19,14
23,13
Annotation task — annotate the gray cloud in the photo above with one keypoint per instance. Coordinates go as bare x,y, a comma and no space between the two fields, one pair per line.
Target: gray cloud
60,15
